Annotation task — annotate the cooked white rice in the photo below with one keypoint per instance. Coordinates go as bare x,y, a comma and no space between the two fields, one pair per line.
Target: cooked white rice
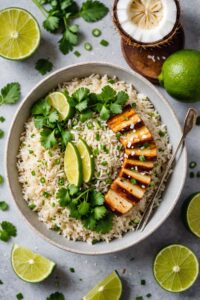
35,162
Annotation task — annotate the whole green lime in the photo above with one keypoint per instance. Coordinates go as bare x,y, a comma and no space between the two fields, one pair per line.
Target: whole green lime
180,75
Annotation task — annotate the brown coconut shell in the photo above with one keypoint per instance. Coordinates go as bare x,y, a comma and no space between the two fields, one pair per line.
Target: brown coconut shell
132,42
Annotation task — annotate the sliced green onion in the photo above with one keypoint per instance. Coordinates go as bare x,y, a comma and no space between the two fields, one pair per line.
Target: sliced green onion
46,194
61,181
133,181
42,180
88,46
192,165
33,173
104,43
77,53
57,161
32,206
96,32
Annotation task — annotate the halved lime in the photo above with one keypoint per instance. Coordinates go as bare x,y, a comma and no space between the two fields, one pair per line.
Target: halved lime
19,33
193,214
110,288
73,165
176,268
87,160
30,266
59,101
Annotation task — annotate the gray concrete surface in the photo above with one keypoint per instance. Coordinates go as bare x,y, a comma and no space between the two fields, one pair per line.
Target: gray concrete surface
92,269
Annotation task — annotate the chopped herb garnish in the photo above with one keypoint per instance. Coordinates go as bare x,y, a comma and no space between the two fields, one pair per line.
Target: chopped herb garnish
1,179
96,152
104,163
2,119
46,194
88,46
133,181
161,133
72,270
77,53
19,296
90,125
98,136
1,133
118,135
32,206
33,173
7,230
142,158
10,93
192,175
111,81
56,296
139,298
3,206
43,66
198,121
148,295
42,180
104,43
192,164
96,32
61,181
133,105
93,10
143,282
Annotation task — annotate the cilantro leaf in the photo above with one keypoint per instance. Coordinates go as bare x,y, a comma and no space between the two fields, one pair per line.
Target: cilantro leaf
66,3
48,139
64,197
4,236
43,66
107,93
56,296
104,225
92,11
39,121
73,189
81,94
122,98
97,198
100,212
82,105
53,117
41,107
51,23
69,39
115,108
104,113
9,228
10,94
84,116
83,208
3,205
90,223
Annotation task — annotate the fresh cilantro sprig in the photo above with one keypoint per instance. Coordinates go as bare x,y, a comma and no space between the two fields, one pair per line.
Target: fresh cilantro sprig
87,206
7,230
60,14
10,93
43,66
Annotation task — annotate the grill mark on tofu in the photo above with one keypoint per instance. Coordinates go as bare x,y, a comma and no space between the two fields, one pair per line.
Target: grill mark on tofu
149,153
117,203
124,194
141,165
144,179
142,134
127,186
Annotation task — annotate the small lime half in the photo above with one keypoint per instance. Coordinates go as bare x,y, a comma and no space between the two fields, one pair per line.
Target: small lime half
59,101
110,288
193,214
29,266
176,268
19,33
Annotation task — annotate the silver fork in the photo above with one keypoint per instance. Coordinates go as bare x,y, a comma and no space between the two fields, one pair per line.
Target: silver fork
189,123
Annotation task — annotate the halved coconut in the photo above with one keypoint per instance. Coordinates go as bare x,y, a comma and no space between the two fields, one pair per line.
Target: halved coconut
147,23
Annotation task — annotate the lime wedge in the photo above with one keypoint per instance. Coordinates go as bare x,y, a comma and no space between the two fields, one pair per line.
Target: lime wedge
59,101
19,33
73,165
30,266
87,160
193,214
176,268
110,288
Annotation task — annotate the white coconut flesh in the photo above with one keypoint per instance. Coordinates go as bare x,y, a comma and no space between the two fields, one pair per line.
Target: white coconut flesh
147,21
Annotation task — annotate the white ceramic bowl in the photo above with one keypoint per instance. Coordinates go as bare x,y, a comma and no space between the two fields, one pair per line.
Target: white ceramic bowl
174,187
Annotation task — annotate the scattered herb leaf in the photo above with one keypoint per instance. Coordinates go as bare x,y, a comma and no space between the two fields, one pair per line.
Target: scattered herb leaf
3,206
19,296
104,43
2,119
43,66
10,93
56,296
92,11
72,270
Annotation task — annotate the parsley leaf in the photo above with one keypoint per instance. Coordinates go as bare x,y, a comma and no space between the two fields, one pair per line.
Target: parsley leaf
92,11
51,23
43,66
3,206
9,228
56,296
48,139
10,94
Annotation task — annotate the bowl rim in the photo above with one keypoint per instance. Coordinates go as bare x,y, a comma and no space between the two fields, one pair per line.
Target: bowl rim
120,247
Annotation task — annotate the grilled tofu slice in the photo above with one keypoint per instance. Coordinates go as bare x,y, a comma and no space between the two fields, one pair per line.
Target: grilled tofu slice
118,203
142,134
124,116
122,126
127,186
143,179
150,152
145,165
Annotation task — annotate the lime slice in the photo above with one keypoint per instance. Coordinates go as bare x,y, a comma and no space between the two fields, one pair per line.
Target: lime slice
87,160
110,288
30,266
193,214
176,268
59,101
19,33
73,165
